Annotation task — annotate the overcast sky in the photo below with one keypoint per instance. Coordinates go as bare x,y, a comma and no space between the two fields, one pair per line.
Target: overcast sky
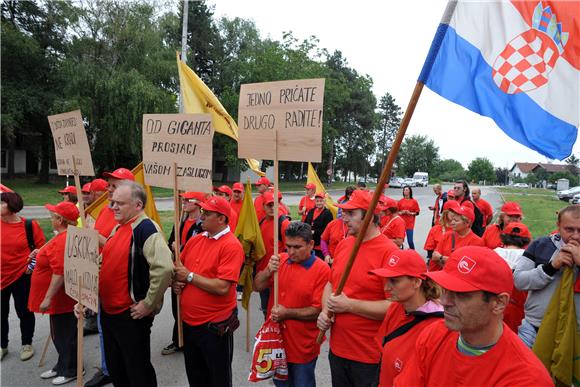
389,40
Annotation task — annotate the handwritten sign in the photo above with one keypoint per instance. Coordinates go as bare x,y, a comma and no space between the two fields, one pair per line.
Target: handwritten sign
185,139
81,261
293,108
70,140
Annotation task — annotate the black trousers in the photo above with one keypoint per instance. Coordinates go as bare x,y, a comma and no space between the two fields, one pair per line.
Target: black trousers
63,330
264,298
208,357
128,349
174,333
19,289
350,373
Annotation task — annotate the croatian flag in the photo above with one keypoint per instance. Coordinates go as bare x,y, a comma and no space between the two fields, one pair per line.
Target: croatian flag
516,62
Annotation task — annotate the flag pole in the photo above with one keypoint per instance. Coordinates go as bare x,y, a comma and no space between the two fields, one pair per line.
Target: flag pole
385,174
276,205
80,321
248,321
177,250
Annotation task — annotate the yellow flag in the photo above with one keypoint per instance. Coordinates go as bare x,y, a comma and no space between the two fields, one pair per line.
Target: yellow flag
249,234
150,209
198,98
313,178
558,342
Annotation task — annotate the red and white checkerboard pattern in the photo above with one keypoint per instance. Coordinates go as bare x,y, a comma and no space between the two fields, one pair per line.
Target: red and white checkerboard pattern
525,63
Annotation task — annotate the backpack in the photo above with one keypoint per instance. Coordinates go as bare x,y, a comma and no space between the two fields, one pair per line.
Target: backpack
281,220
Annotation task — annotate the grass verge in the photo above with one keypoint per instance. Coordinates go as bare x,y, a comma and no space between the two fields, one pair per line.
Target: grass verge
540,212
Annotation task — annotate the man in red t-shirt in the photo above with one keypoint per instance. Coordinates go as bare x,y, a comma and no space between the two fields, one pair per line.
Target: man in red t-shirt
360,309
237,197
484,207
262,184
207,283
136,270
473,347
226,192
308,201
301,281
510,212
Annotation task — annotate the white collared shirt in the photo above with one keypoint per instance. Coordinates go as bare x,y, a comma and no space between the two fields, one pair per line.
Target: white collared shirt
219,234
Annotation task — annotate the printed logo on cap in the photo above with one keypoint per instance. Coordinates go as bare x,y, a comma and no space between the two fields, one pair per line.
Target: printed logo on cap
393,260
466,265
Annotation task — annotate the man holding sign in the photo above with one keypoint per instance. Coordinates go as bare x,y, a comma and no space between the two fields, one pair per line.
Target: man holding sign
136,270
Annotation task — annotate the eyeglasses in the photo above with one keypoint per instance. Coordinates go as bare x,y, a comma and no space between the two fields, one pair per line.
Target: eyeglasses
456,188
190,200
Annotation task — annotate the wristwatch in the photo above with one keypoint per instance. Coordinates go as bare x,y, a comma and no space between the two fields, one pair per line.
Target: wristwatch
189,277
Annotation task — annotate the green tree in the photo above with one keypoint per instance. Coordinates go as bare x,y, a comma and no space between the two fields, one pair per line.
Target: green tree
389,122
532,179
449,170
573,160
481,169
501,175
564,175
417,153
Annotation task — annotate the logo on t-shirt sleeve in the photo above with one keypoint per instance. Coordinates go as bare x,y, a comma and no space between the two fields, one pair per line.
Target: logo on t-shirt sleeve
466,265
393,260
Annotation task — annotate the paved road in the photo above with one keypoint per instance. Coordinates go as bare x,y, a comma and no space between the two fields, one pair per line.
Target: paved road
170,369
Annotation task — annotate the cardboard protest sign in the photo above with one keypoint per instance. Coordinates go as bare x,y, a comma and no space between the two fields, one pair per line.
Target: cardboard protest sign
81,263
70,140
185,139
293,108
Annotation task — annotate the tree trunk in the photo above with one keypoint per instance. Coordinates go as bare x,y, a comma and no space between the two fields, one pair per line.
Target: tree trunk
330,164
10,157
43,177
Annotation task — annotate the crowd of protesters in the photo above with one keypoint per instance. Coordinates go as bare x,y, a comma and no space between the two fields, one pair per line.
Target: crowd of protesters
452,317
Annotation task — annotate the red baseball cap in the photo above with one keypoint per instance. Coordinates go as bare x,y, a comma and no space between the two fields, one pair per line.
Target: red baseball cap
3,188
86,188
224,189
99,185
360,199
67,210
464,211
71,189
269,197
199,196
310,186
450,193
121,174
389,203
403,262
217,204
263,180
517,229
473,268
512,208
238,187
450,205
320,195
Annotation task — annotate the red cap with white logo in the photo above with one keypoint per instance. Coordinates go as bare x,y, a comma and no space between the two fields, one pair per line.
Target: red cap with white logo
403,262
473,268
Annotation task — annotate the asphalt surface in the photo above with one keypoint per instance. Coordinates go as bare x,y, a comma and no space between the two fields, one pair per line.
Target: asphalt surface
170,369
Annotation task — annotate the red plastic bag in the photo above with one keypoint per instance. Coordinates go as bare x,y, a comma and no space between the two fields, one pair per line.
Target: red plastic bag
269,358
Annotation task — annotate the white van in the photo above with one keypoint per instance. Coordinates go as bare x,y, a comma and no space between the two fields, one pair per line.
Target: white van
421,179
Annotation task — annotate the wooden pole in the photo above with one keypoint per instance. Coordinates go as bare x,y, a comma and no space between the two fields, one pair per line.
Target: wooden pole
177,234
80,325
385,174
248,326
276,205
79,194
44,350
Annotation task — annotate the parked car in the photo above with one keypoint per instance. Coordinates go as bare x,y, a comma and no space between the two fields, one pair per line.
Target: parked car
568,194
409,182
421,179
521,185
575,199
396,182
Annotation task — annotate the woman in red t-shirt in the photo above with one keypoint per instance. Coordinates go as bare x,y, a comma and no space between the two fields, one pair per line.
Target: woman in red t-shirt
47,294
436,234
15,269
415,306
409,209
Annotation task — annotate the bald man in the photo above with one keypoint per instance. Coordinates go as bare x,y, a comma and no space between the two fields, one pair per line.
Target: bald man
439,202
483,205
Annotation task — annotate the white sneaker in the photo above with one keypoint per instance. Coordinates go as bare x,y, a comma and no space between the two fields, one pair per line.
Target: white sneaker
48,374
63,380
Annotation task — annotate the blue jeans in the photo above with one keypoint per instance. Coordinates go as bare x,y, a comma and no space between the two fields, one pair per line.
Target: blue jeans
299,375
410,239
527,332
103,362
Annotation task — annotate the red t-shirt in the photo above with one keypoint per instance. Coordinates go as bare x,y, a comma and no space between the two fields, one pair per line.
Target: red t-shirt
514,312
433,238
333,234
300,287
15,251
394,228
114,274
49,261
396,352
233,221
491,236
409,205
106,222
211,258
259,206
437,362
236,206
485,208
352,336
307,202
186,227
267,229
445,245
